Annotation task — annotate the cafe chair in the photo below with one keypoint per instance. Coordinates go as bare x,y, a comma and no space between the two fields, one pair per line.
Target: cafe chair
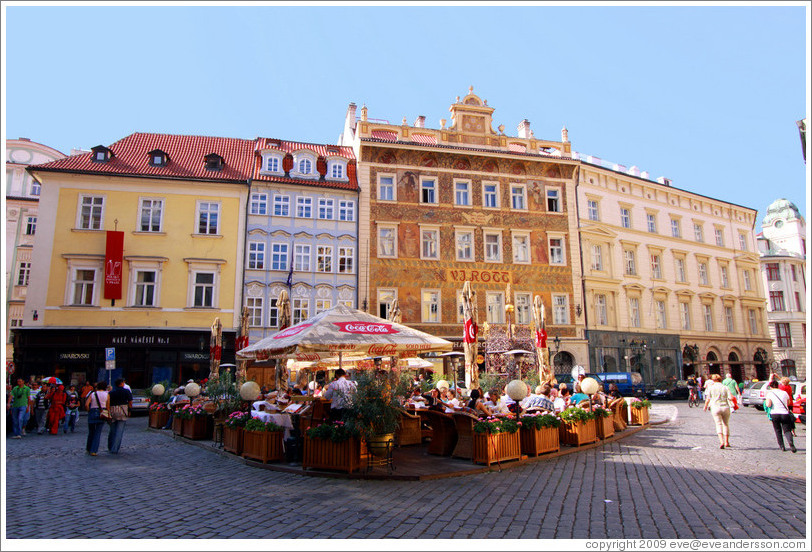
464,423
443,433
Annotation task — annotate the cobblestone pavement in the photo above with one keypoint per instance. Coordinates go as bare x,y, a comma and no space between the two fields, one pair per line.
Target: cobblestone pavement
669,481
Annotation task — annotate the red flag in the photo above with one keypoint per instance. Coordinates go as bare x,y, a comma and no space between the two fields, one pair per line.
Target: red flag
113,260
470,331
215,352
541,338
242,342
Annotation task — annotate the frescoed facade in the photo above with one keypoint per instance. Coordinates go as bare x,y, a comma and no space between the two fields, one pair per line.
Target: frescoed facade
782,245
670,278
177,206
302,232
467,202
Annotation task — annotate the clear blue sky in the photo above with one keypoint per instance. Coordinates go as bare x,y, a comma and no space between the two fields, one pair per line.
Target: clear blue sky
706,96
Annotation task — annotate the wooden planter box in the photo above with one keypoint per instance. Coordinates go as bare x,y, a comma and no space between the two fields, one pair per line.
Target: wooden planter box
638,416
578,433
233,439
158,418
198,428
498,447
539,441
264,446
605,427
177,425
325,454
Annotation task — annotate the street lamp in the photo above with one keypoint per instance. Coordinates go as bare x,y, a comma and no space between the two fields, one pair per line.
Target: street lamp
557,345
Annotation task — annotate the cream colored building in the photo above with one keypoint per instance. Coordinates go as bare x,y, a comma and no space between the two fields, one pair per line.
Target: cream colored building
671,278
22,206
782,244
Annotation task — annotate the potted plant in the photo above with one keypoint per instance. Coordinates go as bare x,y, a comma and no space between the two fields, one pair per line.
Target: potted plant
262,441
638,412
496,439
539,433
603,422
158,415
333,446
196,422
577,427
376,408
233,431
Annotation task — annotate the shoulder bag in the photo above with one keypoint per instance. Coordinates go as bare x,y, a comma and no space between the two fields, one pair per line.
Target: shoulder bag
118,412
104,414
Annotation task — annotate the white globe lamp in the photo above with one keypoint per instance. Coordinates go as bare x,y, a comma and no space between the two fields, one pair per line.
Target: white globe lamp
590,386
192,390
249,391
158,390
442,384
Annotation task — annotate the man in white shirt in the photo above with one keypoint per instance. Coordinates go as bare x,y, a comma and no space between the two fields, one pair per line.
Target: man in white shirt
340,392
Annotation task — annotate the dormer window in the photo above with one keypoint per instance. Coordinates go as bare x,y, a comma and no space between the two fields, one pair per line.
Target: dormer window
336,169
304,165
214,162
101,154
272,162
158,158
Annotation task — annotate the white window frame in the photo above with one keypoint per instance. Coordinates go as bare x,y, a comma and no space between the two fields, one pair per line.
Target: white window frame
743,241
719,235
137,267
593,210
651,223
597,257
382,187
30,226
255,260
458,234
203,267
523,302
629,262
304,207
463,191
495,307
679,270
385,297
521,243
434,188
256,311
259,204
302,257
324,259
337,170
699,233
634,312
430,306
601,312
557,253
23,273
266,161
662,316
730,321
346,210
279,253
676,228
520,197
702,267
323,305
561,308
212,207
625,217
388,227
346,260
497,199
753,320
724,276
430,243
273,313
748,282
556,197
656,267
149,206
707,312
685,315
299,309
326,205
281,205
306,160
485,245
96,207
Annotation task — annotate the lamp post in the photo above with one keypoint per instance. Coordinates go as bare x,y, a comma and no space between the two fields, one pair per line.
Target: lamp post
516,390
557,345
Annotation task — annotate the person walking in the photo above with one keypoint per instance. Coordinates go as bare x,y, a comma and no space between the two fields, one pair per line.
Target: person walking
42,402
56,412
777,400
71,409
18,400
718,399
87,389
94,403
733,387
119,403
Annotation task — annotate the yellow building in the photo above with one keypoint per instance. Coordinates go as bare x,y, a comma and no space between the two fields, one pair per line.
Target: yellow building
178,205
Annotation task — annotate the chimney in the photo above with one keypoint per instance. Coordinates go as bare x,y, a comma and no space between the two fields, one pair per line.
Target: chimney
349,126
524,129
565,135
664,181
420,122
364,112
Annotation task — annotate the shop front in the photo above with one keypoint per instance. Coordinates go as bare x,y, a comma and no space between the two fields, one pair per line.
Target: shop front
143,357
657,357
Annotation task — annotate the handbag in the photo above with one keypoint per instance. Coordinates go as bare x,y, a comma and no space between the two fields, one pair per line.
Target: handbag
118,412
104,414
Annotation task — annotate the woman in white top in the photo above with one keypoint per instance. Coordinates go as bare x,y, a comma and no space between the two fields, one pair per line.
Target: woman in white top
778,402
717,398
96,399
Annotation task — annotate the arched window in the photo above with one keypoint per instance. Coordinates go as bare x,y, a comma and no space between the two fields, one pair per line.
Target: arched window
305,166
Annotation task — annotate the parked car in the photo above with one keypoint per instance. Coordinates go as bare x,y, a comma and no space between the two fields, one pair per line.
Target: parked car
750,394
628,383
140,402
799,402
670,390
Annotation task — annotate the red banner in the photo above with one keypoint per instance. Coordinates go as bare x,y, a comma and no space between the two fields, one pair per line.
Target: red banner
215,352
242,342
541,338
113,263
471,331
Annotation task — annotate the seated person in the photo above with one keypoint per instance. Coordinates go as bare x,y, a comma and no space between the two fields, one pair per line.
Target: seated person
434,400
563,400
478,405
578,396
614,392
451,402
600,398
495,403
416,399
542,398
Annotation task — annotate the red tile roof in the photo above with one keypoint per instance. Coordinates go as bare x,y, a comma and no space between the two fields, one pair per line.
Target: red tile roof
321,150
388,135
425,139
186,158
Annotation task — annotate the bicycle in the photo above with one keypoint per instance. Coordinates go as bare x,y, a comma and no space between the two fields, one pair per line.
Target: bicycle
693,399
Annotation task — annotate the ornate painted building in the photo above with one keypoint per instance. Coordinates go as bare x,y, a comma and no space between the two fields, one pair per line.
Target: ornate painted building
465,202
782,245
670,278
22,205
302,231
139,247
